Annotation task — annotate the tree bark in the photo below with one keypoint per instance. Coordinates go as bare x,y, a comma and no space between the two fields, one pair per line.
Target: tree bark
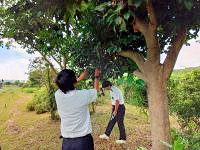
158,112
156,75
65,61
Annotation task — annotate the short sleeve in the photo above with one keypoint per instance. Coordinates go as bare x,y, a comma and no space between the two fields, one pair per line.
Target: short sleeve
91,95
115,96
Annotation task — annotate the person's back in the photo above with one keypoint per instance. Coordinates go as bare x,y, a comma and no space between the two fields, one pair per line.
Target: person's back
74,113
73,110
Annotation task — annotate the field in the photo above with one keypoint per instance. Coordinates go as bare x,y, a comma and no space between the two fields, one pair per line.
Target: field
20,129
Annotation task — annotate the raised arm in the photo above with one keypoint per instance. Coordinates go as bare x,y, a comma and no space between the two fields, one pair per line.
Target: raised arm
97,77
82,76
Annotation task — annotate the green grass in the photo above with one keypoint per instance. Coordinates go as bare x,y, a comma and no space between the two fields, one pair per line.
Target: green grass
7,100
30,89
20,129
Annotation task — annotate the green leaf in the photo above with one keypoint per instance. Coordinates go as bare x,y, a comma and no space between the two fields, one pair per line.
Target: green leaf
127,15
39,14
109,12
118,20
112,49
136,3
102,6
110,19
131,2
123,26
119,7
114,29
178,145
141,148
188,4
130,80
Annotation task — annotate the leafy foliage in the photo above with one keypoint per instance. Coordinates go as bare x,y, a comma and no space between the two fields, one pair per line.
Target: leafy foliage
168,15
134,90
39,102
184,98
185,141
35,78
40,75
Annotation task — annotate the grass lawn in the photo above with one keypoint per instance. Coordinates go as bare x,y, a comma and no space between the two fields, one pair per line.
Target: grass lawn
22,130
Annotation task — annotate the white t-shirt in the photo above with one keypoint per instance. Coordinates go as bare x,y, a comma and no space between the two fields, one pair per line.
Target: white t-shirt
74,113
116,94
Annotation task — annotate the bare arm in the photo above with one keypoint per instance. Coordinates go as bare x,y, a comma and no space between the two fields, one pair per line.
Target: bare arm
96,80
82,76
116,107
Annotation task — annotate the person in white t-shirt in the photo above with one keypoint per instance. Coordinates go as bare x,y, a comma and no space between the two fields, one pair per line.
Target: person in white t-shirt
118,113
73,110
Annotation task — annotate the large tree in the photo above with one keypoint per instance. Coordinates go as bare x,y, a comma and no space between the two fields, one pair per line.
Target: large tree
165,25
160,26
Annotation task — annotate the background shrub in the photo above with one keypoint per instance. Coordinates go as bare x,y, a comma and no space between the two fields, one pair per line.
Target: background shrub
184,96
40,102
134,90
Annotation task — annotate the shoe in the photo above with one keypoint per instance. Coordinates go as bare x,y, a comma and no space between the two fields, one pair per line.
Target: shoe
104,136
120,141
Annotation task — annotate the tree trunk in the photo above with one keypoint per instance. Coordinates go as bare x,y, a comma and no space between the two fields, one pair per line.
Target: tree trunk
158,112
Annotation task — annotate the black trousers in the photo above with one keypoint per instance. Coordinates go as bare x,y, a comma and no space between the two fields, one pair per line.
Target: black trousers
119,118
79,143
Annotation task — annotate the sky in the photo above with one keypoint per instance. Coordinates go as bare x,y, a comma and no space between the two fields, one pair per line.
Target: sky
14,61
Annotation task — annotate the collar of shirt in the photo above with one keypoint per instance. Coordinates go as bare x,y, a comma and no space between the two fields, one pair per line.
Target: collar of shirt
112,88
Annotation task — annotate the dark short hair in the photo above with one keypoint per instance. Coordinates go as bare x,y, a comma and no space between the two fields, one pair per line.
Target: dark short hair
65,80
106,83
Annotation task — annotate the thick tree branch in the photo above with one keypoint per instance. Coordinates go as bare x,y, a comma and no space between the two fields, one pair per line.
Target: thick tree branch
151,13
149,32
140,25
153,47
136,57
140,75
173,52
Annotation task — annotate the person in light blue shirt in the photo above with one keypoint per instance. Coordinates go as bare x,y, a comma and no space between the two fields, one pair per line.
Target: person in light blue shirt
73,110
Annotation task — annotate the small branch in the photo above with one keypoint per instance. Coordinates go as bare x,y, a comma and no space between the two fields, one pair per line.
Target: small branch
58,62
174,50
140,75
140,25
48,61
134,56
60,58
151,13
65,61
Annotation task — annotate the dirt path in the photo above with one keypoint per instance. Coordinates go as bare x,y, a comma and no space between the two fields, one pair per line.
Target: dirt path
137,129
15,112
27,130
